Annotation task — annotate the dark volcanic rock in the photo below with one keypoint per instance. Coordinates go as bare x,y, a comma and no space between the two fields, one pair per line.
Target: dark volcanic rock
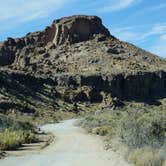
126,86
81,97
85,60
138,85
7,52
67,30
75,29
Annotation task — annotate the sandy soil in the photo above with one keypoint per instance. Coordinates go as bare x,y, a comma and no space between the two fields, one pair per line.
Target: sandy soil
72,147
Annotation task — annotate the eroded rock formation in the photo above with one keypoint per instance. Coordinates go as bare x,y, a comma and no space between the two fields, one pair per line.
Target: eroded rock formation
67,30
75,29
79,55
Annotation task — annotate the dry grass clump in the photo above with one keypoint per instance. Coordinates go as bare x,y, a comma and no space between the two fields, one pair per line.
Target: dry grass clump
146,157
11,140
136,129
100,124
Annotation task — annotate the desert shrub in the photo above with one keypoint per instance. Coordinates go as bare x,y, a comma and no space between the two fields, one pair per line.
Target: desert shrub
133,129
104,130
13,124
21,126
145,157
10,140
141,129
101,124
29,137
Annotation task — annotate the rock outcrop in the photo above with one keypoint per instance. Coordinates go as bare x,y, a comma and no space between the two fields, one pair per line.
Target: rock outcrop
142,87
75,29
139,86
79,59
67,30
75,44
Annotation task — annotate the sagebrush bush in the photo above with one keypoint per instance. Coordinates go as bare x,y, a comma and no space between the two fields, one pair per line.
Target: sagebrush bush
104,120
135,129
145,157
139,129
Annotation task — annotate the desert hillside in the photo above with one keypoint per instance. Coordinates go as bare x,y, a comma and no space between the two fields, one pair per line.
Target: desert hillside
77,67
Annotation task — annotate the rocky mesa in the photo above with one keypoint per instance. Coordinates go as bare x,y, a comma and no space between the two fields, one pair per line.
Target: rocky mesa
76,59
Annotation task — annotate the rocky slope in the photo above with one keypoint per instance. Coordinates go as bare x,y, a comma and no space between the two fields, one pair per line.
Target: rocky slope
76,59
72,45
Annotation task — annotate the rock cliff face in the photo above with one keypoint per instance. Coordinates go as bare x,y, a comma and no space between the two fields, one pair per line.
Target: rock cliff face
144,86
126,86
80,60
67,30
75,29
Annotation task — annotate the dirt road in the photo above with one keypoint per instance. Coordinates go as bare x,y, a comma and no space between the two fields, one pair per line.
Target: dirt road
72,147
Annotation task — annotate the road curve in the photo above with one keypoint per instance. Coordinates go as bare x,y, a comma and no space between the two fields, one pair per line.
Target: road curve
72,147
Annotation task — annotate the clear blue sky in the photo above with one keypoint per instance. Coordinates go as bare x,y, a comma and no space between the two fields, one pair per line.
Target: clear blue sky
141,22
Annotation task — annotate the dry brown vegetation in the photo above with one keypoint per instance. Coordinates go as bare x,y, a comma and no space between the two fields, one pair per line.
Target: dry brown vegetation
142,131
